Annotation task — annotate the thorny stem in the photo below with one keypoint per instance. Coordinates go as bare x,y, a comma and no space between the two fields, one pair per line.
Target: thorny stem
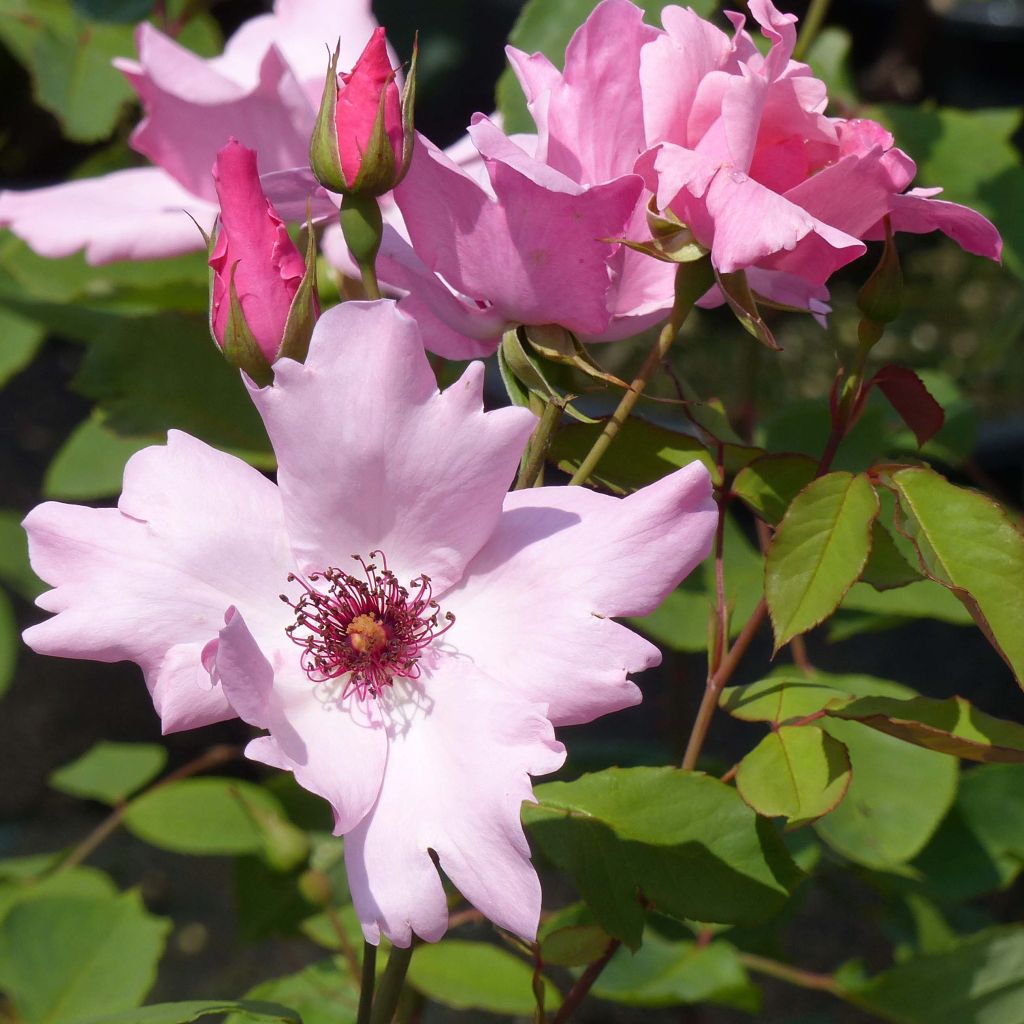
538,447
369,976
692,281
209,759
810,27
390,987
584,983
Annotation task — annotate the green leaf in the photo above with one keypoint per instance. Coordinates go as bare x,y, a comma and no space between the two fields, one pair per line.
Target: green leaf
201,816
546,27
971,154
924,600
898,793
322,993
818,552
70,958
642,453
796,772
666,973
886,567
980,981
575,945
829,56
33,884
15,570
952,726
476,976
782,696
152,374
110,772
687,842
979,847
968,544
21,340
68,56
185,1013
769,484
90,463
10,643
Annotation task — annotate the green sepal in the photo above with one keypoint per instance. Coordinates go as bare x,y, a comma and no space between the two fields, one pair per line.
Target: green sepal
672,241
305,308
240,346
324,155
523,377
741,301
377,171
559,345
881,298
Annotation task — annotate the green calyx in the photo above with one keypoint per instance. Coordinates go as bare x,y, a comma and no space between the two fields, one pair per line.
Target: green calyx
881,298
305,307
239,343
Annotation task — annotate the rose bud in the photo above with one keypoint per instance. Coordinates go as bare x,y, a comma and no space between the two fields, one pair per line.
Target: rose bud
264,303
362,142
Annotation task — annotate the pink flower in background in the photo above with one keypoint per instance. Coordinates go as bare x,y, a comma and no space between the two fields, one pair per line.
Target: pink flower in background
415,685
263,90
743,153
524,244
252,252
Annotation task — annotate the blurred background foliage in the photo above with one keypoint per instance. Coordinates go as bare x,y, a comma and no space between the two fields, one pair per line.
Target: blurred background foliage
920,871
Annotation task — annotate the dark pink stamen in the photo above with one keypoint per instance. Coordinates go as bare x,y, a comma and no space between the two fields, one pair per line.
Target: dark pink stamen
370,629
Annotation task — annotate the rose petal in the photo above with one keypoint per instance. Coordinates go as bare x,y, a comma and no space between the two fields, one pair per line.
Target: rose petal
196,531
605,557
460,756
372,456
138,214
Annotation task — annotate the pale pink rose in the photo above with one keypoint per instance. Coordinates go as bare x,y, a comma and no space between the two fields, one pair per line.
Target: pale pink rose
420,722
743,153
251,252
263,90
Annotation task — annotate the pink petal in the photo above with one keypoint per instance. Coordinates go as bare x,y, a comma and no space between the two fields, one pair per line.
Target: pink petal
371,455
138,214
601,557
195,531
335,748
192,110
303,31
461,753
537,254
594,119
918,213
672,68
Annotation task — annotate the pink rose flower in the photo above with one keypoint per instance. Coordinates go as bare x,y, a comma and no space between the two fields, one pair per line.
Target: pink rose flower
253,254
416,686
743,153
263,90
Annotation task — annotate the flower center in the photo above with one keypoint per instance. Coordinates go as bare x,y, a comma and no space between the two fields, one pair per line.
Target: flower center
368,630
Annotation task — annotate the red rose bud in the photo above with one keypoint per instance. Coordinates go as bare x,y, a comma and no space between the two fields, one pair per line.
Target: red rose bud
363,138
264,303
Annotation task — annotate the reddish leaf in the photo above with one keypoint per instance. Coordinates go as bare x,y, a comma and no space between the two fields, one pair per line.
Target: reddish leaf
911,399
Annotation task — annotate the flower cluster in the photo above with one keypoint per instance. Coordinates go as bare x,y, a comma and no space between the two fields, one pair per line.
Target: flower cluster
406,633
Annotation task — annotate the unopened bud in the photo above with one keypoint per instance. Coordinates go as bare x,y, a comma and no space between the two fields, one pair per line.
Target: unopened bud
263,300
363,139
